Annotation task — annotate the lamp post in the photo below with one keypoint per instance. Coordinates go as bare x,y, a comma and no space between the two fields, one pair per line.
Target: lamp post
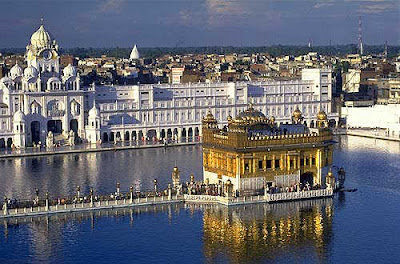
5,209
131,193
78,192
169,192
155,186
118,188
91,197
37,196
47,201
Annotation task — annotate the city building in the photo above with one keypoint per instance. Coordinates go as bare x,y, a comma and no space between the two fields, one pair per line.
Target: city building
175,111
43,103
252,151
40,100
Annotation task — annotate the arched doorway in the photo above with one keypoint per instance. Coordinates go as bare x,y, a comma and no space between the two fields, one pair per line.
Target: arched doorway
140,135
312,124
126,135
183,132
2,143
9,143
73,125
134,136
35,131
196,132
112,138
162,134
54,126
169,133
307,177
105,137
151,134
118,135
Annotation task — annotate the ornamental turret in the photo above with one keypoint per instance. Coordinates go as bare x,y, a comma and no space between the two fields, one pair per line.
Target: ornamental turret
93,127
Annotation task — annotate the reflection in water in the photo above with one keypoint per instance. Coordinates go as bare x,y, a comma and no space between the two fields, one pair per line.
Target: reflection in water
265,232
60,174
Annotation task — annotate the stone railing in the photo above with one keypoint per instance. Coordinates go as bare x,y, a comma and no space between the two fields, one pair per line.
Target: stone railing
95,205
288,196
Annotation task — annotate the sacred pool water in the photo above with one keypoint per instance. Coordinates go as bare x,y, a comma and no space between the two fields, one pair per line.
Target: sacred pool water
350,228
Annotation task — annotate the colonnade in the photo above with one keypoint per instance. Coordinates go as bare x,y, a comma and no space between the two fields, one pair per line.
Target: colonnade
152,134
6,142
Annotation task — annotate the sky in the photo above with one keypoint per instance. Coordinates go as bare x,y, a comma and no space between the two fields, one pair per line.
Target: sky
183,23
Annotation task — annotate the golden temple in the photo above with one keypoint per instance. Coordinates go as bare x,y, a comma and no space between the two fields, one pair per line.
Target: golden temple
253,151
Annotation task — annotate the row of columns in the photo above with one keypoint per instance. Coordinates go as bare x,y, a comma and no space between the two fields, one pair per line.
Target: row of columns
159,133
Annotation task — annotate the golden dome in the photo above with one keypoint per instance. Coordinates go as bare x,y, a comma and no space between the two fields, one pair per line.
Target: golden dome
209,117
322,116
272,119
297,113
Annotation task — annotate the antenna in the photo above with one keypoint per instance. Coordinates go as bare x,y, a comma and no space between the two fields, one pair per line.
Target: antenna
360,37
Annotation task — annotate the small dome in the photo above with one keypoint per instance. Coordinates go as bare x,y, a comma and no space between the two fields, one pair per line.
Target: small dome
94,112
5,80
41,38
30,72
134,54
209,117
19,116
297,113
69,71
322,116
16,71
250,114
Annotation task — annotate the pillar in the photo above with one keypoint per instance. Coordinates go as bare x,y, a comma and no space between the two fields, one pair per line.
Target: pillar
47,202
169,192
131,194
5,209
91,197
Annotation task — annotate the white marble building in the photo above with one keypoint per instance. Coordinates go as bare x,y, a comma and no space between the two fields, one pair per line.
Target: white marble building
40,104
39,99
175,111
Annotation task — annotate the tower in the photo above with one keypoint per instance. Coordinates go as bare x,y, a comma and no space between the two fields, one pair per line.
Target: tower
360,37
93,127
19,129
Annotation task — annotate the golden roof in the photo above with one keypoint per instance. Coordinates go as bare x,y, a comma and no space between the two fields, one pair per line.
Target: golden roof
297,113
322,116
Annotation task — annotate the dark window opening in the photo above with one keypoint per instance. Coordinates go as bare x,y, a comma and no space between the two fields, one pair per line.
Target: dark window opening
277,164
260,164
269,164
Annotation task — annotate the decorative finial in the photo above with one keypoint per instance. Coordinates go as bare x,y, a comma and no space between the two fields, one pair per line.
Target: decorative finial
42,21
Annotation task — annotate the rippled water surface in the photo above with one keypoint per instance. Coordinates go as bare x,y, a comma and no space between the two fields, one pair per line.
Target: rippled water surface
358,227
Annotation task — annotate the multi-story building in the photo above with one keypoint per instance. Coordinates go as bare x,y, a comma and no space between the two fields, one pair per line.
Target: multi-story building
39,99
174,111
42,99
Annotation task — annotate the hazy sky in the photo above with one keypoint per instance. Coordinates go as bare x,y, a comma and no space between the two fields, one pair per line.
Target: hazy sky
149,23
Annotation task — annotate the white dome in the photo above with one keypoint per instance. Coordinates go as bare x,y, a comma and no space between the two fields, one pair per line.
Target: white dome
134,54
5,80
19,116
69,71
16,71
30,72
94,112
41,38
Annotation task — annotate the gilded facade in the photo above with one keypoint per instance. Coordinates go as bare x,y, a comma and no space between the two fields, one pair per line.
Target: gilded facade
252,151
